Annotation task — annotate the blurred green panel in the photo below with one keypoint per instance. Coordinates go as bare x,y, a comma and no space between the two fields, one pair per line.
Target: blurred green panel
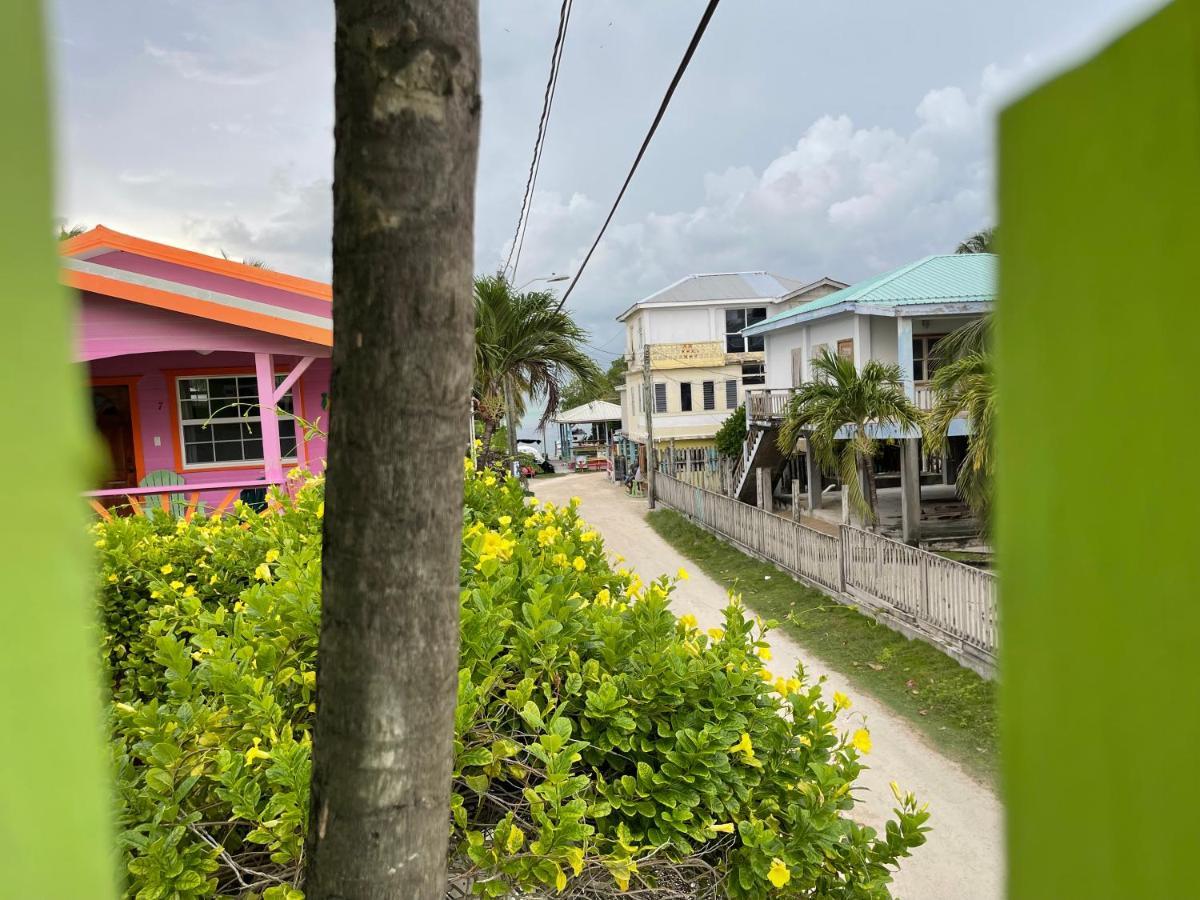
54,786
1099,353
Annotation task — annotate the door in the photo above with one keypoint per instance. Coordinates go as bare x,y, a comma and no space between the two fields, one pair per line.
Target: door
114,421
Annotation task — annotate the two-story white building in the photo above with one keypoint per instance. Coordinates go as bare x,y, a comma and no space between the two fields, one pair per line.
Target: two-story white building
686,340
897,317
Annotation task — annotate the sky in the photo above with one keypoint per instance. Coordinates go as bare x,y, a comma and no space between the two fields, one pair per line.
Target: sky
823,137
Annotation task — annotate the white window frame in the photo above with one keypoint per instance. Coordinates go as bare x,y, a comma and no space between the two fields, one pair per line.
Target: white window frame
224,420
660,397
925,356
746,323
755,378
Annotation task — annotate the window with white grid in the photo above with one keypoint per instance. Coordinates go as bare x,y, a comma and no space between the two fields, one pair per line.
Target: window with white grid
220,421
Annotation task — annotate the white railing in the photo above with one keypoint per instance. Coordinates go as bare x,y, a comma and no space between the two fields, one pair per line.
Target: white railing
939,600
767,403
923,396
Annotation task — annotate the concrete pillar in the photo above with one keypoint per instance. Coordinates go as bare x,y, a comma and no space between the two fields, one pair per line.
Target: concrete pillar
765,501
910,490
904,354
796,499
813,471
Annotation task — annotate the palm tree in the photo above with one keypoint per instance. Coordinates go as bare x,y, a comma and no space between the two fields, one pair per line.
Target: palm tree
840,398
65,232
525,347
963,385
982,241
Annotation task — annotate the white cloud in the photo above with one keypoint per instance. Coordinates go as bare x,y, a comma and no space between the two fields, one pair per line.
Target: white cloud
845,200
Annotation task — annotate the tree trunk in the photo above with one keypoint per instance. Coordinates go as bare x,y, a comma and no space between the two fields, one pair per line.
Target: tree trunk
489,431
407,127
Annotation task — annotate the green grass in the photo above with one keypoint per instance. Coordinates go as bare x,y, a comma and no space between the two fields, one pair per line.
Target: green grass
951,705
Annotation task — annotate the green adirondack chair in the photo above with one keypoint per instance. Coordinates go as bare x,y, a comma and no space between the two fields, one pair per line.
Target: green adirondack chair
163,478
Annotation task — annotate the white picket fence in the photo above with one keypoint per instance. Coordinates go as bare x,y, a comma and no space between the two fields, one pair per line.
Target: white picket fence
951,605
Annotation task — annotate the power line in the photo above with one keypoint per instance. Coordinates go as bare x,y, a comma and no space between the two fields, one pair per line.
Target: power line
564,17
662,108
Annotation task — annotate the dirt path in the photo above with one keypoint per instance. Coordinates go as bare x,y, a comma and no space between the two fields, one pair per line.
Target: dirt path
964,857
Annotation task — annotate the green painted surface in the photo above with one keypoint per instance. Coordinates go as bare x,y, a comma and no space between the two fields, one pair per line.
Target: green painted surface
1098,324
54,799
948,278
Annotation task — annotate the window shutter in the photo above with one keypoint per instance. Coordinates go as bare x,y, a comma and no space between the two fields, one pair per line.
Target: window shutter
660,397
710,400
731,394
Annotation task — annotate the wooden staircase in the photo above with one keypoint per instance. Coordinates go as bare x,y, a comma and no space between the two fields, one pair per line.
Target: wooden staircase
761,450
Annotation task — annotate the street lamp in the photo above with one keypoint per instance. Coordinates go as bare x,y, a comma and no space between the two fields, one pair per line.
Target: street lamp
549,279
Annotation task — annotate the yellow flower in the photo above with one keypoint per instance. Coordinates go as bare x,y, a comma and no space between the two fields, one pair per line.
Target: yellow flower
321,510
716,633
489,479
167,569
189,591
743,746
156,595
723,828
496,545
272,555
254,753
559,559
263,572
765,674
579,563
101,543
603,597
841,701
588,536
534,501
764,653
862,740
112,579
176,584
779,874
682,574
687,621
505,521
793,685
575,501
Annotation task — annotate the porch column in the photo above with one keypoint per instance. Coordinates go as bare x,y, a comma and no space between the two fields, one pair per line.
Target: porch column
910,490
813,471
947,477
796,499
904,354
264,369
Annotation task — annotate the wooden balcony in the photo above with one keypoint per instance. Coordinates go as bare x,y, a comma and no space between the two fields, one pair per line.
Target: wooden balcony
768,405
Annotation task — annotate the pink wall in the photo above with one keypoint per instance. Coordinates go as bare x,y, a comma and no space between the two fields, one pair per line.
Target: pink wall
158,428
111,327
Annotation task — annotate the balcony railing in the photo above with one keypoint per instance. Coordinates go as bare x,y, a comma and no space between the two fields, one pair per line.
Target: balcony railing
770,404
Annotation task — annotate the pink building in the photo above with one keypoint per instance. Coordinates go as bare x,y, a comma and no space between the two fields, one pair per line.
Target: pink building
180,349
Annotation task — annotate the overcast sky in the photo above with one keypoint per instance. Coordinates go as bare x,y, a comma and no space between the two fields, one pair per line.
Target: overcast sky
808,138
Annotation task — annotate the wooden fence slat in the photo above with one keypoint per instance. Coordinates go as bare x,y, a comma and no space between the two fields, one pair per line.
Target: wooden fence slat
940,597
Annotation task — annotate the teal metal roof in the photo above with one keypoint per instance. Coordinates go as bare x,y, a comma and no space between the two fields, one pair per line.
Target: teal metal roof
951,278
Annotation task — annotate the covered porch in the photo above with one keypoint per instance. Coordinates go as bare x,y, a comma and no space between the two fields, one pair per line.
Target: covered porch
208,379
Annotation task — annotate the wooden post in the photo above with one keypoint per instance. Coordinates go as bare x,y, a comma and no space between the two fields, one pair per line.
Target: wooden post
796,499
648,385
765,500
910,490
264,370
813,471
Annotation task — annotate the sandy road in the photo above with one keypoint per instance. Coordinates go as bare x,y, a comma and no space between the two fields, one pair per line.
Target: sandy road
964,857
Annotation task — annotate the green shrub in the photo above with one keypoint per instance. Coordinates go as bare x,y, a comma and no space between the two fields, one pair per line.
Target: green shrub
599,739
731,436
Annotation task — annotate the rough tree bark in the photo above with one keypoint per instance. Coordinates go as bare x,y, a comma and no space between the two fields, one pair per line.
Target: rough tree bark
407,126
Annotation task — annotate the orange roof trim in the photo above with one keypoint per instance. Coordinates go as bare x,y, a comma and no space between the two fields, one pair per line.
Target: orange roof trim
150,296
101,237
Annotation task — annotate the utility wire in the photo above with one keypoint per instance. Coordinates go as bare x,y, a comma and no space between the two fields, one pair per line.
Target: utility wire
564,16
662,108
